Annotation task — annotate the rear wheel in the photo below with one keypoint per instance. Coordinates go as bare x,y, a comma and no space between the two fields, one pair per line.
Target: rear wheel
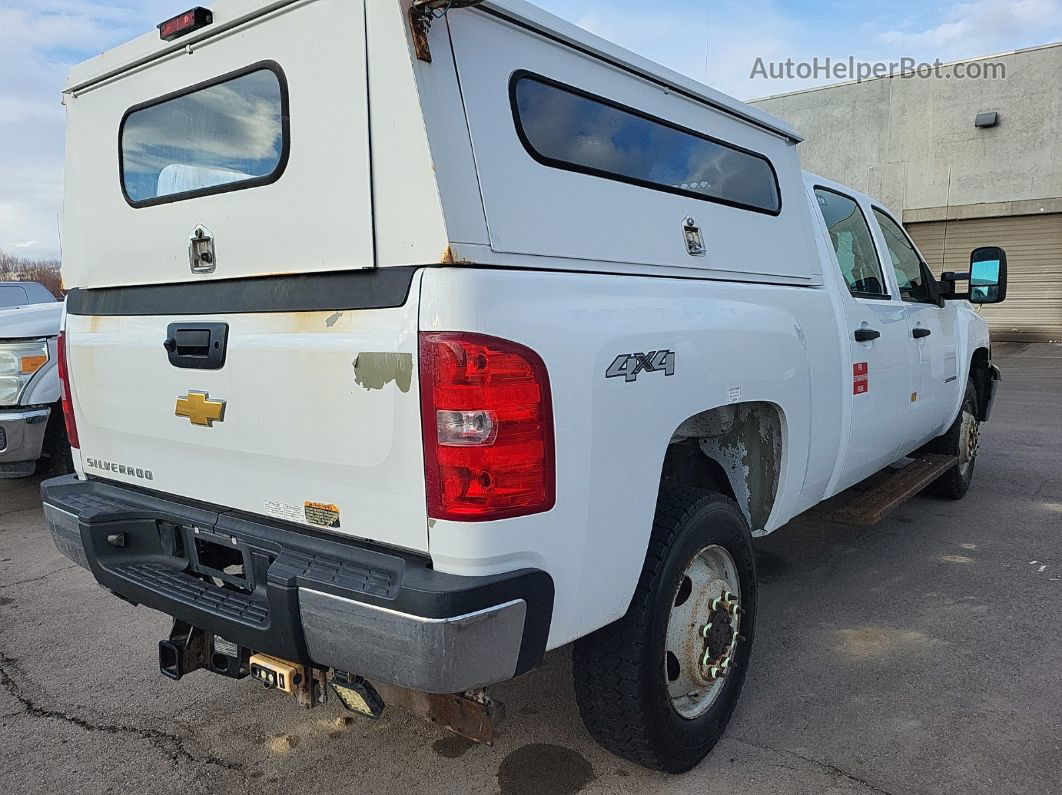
962,441
658,687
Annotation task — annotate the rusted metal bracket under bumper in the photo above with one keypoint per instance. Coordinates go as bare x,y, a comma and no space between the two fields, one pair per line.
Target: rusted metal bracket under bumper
471,715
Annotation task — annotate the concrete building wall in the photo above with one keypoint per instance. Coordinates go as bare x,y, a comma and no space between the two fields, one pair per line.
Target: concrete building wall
912,143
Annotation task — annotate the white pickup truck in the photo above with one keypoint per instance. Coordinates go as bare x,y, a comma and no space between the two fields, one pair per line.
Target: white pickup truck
405,344
32,436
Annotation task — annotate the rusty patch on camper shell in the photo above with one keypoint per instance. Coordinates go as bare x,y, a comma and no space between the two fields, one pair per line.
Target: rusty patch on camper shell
420,19
449,258
377,370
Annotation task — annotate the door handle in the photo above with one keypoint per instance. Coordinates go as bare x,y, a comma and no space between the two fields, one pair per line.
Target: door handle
197,346
919,333
866,334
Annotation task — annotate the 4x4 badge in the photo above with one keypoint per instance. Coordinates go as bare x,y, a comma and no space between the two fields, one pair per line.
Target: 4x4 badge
200,409
631,365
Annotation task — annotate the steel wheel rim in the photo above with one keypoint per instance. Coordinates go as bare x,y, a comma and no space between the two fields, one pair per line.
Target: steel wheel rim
702,632
969,438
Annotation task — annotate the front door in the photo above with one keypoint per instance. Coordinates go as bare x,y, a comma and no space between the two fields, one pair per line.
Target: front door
877,336
931,343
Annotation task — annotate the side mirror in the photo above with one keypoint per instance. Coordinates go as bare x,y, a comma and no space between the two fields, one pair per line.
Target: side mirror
988,275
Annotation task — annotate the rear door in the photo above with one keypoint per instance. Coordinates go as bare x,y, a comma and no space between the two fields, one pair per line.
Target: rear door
876,329
230,340
932,341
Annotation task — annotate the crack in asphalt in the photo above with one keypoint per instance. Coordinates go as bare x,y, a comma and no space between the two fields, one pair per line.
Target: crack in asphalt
824,765
43,576
173,745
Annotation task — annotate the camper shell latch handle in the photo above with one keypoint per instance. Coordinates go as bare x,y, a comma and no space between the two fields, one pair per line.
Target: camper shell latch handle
201,256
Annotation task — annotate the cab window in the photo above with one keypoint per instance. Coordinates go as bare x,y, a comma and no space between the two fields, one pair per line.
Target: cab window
905,260
853,243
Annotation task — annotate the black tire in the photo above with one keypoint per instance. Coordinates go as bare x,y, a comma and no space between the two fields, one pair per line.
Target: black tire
954,483
620,683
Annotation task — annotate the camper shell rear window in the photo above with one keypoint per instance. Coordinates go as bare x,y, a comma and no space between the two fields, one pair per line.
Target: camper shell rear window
565,127
227,134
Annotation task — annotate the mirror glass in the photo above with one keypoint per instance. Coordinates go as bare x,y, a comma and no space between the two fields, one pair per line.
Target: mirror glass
984,281
988,275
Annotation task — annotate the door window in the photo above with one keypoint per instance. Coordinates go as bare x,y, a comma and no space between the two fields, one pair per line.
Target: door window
906,261
853,243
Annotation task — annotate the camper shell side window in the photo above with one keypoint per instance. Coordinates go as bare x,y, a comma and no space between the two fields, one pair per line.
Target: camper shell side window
229,133
567,128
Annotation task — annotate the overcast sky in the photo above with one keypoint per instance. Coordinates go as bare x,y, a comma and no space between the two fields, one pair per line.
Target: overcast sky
40,39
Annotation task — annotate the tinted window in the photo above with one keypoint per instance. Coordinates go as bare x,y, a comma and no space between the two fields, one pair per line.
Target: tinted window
565,128
905,259
853,244
222,136
24,295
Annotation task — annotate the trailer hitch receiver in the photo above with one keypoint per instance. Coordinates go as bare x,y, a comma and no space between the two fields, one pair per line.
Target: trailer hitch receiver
184,652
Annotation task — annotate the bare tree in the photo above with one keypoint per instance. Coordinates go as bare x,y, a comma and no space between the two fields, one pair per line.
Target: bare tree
45,271
7,266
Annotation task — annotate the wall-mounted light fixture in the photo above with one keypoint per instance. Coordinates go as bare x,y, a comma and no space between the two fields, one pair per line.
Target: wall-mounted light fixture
987,120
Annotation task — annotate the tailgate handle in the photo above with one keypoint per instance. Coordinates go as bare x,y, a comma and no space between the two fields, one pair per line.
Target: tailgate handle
197,346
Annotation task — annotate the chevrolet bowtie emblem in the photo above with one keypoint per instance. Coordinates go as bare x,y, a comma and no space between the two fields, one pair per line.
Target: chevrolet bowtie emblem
200,409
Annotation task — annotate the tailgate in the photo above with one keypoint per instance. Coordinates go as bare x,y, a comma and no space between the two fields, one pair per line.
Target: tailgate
219,200
313,418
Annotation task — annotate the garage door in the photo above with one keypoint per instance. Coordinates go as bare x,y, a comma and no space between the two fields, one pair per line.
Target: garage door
1033,309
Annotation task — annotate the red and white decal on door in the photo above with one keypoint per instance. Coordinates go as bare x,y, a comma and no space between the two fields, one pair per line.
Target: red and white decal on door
860,378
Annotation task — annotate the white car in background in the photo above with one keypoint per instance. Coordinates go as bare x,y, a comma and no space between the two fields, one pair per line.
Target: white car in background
32,433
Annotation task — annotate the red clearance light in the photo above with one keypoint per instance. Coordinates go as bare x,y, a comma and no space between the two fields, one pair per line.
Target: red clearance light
64,390
488,428
182,24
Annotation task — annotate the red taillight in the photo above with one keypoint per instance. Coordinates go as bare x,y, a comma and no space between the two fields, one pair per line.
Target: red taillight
488,428
185,23
64,388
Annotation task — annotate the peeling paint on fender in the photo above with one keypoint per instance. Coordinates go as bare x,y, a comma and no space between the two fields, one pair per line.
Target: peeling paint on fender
377,370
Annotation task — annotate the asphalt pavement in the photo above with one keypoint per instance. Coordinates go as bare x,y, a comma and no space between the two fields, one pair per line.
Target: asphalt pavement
921,655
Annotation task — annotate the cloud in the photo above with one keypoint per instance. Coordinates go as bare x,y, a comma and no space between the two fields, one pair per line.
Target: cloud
39,41
677,35
673,33
980,28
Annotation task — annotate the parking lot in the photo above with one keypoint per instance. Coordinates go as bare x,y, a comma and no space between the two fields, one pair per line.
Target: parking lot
922,655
